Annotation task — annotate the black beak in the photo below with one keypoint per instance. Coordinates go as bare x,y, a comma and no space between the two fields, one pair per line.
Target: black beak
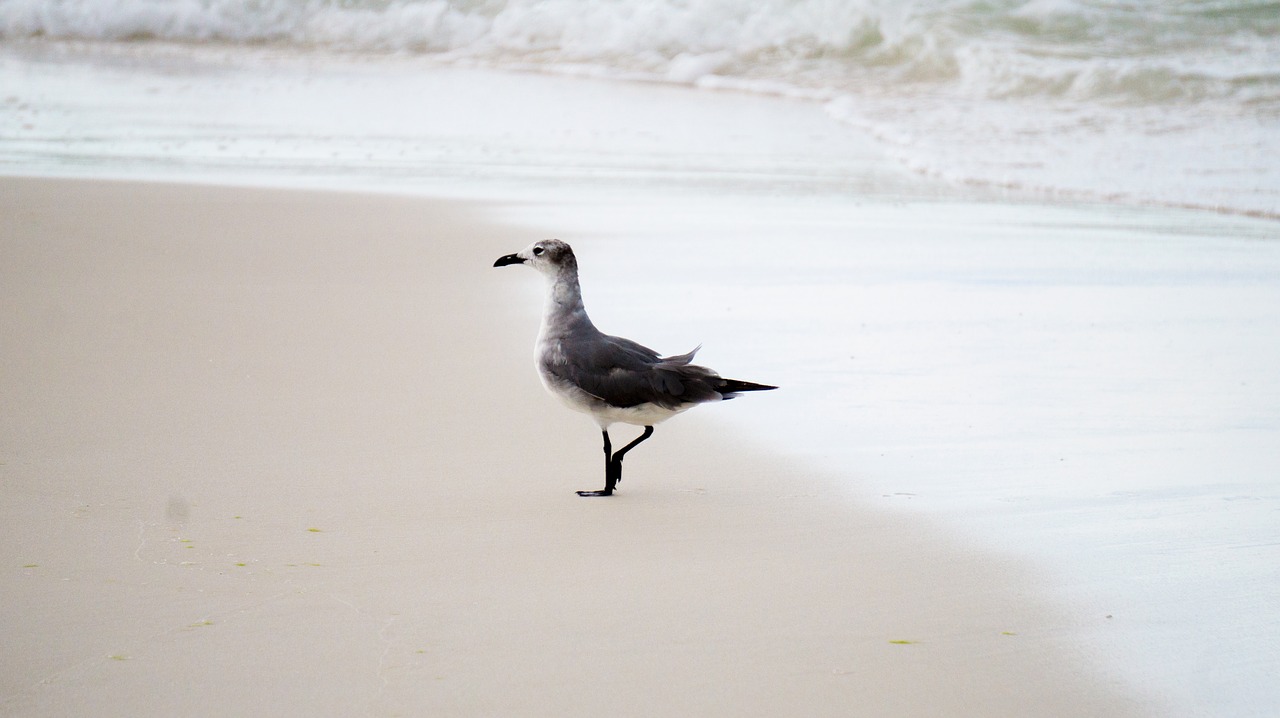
509,259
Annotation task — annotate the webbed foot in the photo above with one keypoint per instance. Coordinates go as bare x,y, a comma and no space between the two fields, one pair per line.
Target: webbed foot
601,492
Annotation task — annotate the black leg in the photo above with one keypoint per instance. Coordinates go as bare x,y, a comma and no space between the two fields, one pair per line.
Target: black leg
610,480
608,451
617,456
613,463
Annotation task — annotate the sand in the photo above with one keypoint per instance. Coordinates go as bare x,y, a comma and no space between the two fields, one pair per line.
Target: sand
272,452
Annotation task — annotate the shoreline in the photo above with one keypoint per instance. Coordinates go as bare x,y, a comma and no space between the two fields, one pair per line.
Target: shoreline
251,465
985,192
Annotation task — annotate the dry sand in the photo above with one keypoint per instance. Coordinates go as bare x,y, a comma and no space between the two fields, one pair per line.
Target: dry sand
283,453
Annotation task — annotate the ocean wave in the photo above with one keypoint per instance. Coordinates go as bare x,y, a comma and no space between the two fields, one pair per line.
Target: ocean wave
1174,101
1139,52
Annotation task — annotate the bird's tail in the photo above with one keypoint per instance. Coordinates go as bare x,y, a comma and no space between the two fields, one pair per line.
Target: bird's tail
732,387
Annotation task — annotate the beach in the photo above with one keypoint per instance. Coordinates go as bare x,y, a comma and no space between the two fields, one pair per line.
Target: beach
272,441
256,468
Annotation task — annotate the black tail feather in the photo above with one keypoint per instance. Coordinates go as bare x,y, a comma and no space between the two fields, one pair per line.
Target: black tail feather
730,388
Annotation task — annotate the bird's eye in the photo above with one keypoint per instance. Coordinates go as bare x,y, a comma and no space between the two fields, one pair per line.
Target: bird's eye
538,251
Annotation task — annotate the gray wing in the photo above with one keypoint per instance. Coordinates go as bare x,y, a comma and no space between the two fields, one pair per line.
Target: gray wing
623,373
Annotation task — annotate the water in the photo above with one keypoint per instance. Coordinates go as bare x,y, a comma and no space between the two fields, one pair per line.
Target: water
1147,101
405,123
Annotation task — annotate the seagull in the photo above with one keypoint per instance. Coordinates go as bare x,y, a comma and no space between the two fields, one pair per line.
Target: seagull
614,380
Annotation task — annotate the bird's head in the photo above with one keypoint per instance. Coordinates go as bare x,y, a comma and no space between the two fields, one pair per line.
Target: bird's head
549,256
